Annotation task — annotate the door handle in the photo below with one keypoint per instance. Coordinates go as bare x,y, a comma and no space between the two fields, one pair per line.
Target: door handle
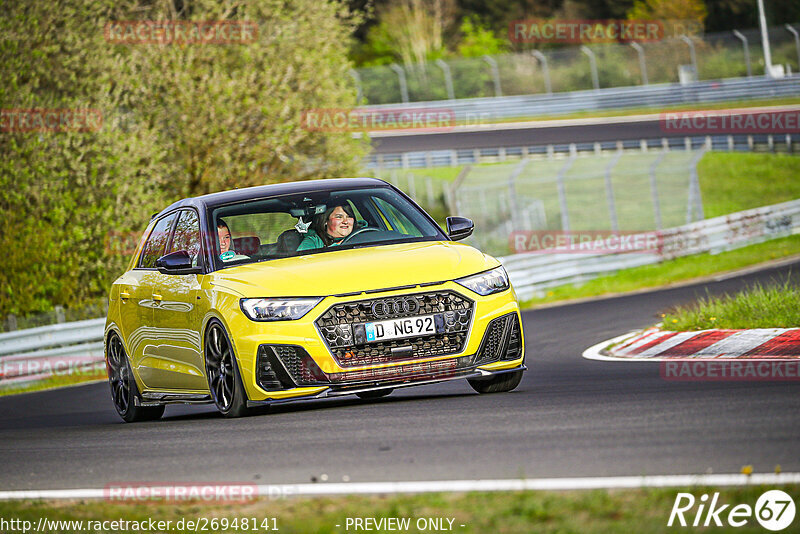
157,297
124,295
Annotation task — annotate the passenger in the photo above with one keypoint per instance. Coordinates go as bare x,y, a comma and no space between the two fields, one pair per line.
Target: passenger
226,252
329,230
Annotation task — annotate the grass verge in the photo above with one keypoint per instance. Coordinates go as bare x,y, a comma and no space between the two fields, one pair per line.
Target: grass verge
53,382
672,271
754,307
766,179
639,510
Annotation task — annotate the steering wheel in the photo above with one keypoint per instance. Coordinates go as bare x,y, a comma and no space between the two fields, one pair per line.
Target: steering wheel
353,234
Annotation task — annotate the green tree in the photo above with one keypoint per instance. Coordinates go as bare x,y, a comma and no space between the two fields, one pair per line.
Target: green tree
232,113
412,29
479,40
177,121
61,193
666,10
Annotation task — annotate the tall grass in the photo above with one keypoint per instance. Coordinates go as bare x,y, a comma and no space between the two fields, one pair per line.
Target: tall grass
755,307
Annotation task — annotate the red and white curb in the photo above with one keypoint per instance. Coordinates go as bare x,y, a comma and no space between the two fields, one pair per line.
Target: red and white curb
654,344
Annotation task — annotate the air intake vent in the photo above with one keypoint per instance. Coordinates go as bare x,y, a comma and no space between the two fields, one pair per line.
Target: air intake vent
502,340
286,366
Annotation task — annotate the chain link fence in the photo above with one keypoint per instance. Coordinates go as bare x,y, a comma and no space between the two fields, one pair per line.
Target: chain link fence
615,192
673,60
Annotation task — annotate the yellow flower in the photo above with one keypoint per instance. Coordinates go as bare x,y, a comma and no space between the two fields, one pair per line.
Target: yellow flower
550,293
674,320
713,318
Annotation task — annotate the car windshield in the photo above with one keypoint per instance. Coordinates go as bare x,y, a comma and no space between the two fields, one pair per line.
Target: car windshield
314,222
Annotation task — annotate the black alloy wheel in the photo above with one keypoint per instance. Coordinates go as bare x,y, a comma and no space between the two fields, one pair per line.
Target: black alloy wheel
124,393
224,381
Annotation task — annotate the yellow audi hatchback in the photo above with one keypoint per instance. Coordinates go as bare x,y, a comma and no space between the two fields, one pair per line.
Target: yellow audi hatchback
301,291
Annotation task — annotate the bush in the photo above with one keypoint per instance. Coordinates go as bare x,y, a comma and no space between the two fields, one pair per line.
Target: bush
177,121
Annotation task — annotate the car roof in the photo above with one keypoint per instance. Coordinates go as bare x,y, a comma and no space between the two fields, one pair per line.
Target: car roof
272,190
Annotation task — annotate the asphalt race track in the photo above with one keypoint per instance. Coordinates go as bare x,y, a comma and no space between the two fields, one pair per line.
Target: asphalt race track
569,417
539,135
550,132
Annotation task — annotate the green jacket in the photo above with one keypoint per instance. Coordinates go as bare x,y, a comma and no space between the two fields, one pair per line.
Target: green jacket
312,241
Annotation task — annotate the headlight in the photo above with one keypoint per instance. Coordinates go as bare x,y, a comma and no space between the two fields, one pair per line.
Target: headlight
278,309
493,281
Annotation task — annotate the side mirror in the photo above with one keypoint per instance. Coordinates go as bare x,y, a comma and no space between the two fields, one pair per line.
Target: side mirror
178,262
459,227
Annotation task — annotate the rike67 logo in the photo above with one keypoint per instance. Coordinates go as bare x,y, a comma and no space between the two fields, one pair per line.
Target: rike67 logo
774,510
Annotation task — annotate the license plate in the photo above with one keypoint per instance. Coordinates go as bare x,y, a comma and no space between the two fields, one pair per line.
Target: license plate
420,325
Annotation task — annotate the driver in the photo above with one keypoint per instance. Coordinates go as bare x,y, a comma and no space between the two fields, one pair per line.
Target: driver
330,229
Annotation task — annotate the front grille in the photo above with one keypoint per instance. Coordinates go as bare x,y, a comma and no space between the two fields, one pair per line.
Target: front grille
502,340
415,371
336,326
292,366
288,366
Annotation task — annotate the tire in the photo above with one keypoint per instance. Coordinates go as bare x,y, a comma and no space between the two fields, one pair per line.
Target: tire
377,394
222,372
124,392
498,384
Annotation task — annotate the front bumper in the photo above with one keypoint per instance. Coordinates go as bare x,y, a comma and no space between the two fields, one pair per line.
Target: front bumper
302,363
334,391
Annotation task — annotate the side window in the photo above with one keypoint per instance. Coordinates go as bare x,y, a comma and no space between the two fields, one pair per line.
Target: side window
187,235
156,242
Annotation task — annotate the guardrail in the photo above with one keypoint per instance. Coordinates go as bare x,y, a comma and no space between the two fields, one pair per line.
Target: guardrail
669,94
470,156
38,353
532,273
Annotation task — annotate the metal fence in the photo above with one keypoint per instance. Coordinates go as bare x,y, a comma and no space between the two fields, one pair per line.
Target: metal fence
60,349
612,191
532,274
386,165
576,68
480,111
35,353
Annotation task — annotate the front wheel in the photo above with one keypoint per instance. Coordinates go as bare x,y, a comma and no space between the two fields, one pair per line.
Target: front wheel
222,372
124,392
498,384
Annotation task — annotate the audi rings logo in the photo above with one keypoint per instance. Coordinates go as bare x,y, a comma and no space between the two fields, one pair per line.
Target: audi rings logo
402,306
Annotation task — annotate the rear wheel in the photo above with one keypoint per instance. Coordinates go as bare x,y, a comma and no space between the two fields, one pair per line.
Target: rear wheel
124,392
497,384
376,394
224,380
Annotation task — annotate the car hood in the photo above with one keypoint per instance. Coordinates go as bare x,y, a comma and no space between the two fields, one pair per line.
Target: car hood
355,270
